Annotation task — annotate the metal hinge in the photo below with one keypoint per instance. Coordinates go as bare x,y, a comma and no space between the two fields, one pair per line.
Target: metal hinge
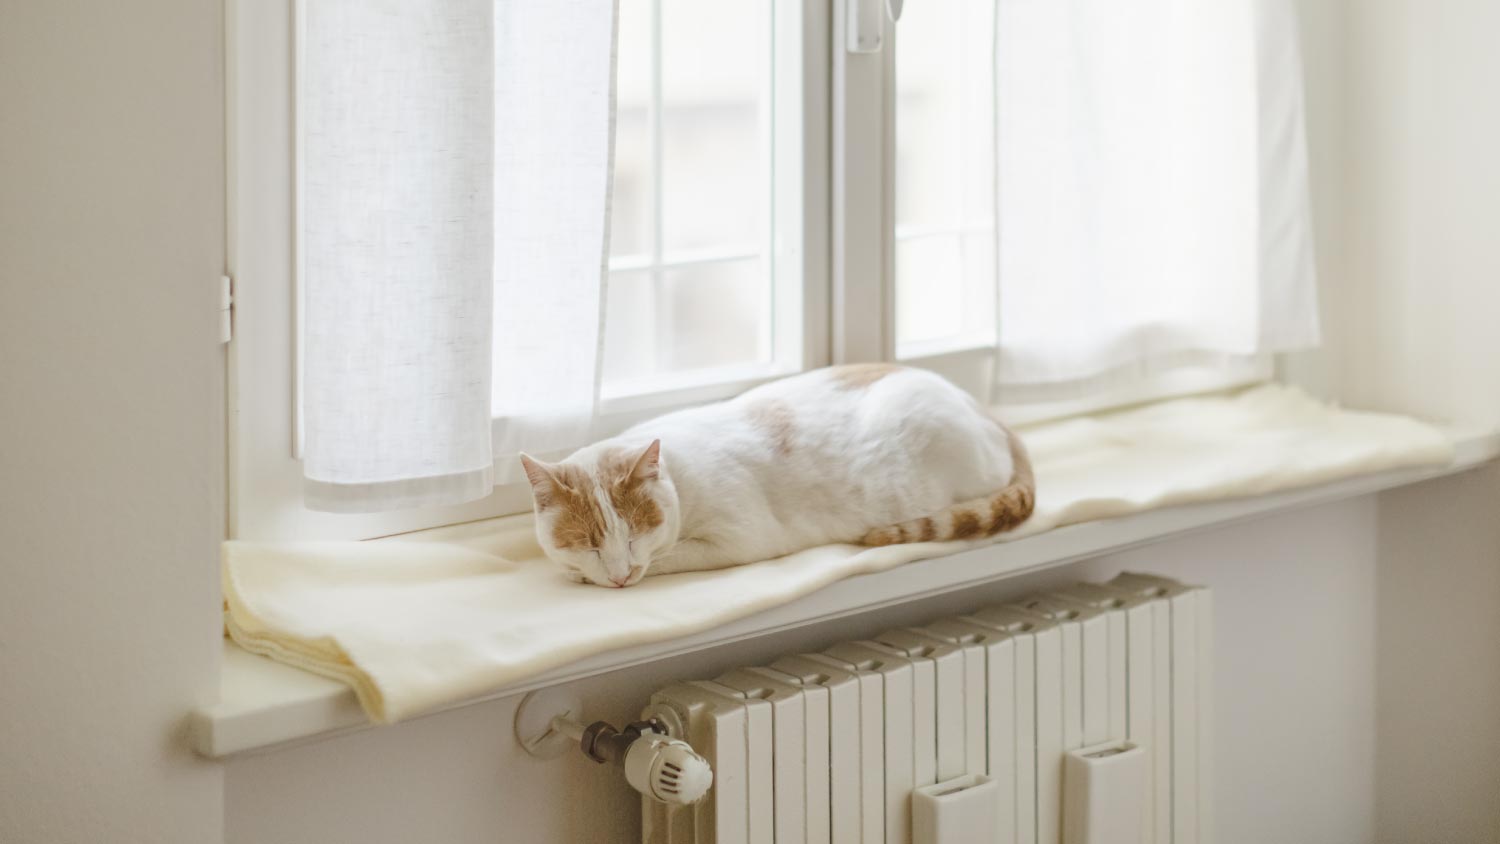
226,309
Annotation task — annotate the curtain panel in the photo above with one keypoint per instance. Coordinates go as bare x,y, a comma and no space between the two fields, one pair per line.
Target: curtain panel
454,196
1153,202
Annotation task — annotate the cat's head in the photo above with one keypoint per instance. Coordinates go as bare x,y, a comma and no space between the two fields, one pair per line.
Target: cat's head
604,516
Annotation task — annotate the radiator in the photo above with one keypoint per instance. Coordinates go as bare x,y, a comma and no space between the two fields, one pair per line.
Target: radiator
828,748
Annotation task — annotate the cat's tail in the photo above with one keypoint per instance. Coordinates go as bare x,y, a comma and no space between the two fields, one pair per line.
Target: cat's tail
995,513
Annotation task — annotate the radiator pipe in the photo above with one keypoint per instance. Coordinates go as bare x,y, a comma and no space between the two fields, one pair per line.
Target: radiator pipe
601,741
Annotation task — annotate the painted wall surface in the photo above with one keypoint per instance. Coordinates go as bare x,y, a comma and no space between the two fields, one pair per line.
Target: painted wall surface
1296,712
111,409
1438,671
1423,202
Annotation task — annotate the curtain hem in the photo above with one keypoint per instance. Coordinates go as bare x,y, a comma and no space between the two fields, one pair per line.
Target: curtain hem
380,496
1011,392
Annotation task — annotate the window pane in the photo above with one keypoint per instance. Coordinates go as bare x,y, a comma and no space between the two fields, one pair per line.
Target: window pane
929,281
629,335
632,221
695,317
945,187
707,171
715,66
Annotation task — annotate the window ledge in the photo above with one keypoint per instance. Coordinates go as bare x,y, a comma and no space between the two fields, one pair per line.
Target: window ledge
264,704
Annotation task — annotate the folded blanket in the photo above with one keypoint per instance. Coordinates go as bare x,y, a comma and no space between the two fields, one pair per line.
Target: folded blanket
423,620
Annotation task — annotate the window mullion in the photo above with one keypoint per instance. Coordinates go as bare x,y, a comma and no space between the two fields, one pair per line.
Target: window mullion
807,211
658,178
863,325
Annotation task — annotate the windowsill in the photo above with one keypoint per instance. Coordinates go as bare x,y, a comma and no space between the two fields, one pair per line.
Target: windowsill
264,703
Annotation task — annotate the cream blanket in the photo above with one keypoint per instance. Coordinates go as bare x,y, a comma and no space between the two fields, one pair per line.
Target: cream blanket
420,621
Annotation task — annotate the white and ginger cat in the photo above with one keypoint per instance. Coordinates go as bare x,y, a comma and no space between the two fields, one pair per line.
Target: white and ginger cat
871,453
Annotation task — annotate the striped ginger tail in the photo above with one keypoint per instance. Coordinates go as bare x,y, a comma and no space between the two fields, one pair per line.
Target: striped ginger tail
1000,511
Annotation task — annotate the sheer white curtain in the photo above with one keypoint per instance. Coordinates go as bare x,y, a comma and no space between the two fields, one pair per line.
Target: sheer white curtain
554,136
1153,201
455,175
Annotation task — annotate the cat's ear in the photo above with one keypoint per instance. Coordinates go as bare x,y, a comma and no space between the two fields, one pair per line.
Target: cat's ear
543,483
648,465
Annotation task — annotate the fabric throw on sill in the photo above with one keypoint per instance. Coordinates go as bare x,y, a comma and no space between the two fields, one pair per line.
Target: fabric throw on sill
421,621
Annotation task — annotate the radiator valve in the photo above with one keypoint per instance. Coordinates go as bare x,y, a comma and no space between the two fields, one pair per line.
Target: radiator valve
665,769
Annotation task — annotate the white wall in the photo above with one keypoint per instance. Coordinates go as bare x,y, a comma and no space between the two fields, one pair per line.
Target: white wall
1422,179
1439,662
1295,649
1423,201
111,469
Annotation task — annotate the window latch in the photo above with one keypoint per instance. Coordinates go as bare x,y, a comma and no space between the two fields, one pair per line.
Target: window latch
866,23
226,309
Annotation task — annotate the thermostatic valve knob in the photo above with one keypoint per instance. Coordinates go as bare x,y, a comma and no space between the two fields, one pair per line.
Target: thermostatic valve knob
667,770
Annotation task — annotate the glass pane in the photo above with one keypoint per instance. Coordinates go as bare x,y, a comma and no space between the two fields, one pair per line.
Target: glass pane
929,288
945,188
928,86
715,78
978,261
716,315
706,227
695,317
630,332
632,220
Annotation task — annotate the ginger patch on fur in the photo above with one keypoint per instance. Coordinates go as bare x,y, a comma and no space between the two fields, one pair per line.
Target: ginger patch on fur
1009,509
626,484
578,523
1000,511
858,376
926,529
775,419
966,524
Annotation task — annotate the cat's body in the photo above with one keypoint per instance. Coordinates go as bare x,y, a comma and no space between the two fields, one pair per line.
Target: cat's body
869,453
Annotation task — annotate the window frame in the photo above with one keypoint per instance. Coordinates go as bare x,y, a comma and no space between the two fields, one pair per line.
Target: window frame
799,318
795,245
848,267
263,259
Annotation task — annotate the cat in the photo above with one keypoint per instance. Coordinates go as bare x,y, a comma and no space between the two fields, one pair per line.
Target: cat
875,454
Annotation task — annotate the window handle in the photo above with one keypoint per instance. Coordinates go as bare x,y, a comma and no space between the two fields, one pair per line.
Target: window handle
866,24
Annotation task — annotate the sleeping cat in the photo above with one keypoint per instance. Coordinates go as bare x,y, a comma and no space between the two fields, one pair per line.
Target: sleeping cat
870,453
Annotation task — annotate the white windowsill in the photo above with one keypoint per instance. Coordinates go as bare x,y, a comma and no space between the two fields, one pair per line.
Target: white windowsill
264,703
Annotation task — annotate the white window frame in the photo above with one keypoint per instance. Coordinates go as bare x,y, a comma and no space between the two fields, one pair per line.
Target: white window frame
798,299
847,310
265,494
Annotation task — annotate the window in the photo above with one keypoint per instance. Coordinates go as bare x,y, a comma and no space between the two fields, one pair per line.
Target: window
1114,199
717,267
787,195
705,281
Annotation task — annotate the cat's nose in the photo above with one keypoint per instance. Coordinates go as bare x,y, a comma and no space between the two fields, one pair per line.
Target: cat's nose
620,581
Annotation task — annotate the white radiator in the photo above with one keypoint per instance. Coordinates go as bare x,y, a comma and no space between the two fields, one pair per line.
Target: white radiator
827,748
